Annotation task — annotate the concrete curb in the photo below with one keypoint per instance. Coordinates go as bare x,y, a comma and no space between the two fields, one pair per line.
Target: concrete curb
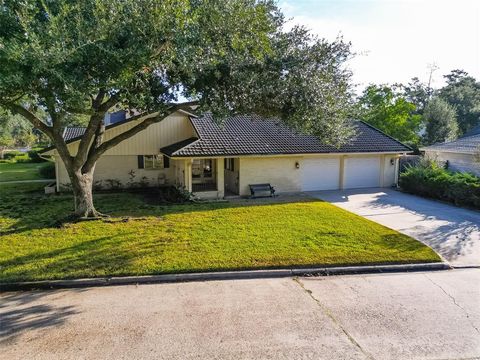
467,266
221,275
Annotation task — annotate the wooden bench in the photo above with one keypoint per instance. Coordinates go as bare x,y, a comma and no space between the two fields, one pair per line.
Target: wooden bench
261,190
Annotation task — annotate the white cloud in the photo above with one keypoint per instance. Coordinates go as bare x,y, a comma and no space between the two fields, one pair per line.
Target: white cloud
399,38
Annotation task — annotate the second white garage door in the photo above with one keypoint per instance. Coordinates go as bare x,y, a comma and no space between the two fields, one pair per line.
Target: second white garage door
361,172
320,174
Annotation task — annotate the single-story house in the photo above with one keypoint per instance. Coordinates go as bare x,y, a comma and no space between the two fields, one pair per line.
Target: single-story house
460,154
214,161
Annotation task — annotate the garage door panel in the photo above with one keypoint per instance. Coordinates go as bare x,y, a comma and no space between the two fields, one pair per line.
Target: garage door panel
361,172
320,174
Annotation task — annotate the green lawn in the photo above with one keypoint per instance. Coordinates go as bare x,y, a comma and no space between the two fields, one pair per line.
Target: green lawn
186,238
11,171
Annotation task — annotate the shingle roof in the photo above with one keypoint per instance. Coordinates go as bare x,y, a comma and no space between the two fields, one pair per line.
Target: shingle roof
73,132
252,135
473,131
466,145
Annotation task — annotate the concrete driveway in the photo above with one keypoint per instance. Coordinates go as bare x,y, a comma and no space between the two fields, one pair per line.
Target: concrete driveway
431,315
451,231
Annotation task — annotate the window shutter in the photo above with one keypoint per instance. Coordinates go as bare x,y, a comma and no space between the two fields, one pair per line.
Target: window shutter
140,161
166,162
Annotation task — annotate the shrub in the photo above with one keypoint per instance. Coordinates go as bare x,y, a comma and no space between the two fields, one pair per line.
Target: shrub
34,157
47,171
165,195
97,185
431,180
113,184
9,156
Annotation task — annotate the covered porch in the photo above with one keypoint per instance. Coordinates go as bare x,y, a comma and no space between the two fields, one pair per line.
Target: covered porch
208,178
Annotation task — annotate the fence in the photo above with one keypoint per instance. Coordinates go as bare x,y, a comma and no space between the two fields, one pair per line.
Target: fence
408,160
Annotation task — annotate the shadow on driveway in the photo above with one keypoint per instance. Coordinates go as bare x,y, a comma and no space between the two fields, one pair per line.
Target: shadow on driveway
25,311
451,231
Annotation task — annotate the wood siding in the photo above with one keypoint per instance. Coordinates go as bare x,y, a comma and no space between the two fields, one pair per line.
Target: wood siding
174,128
119,168
456,161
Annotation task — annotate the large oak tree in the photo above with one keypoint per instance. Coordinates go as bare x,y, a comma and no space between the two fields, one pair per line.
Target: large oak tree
62,59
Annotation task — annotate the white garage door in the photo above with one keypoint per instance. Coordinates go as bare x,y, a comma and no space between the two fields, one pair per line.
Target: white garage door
320,174
361,172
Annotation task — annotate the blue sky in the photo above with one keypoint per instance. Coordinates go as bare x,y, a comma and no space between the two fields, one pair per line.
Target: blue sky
397,39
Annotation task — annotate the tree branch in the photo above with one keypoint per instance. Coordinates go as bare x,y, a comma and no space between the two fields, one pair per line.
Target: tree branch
98,99
93,124
79,111
113,100
96,153
52,133
34,120
100,108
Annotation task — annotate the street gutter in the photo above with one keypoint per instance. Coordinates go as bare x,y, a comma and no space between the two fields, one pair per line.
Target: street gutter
221,275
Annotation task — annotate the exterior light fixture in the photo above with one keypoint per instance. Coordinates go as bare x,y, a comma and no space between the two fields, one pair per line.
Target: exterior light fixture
297,165
392,162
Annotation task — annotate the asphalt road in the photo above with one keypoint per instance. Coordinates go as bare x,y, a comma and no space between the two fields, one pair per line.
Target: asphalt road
431,315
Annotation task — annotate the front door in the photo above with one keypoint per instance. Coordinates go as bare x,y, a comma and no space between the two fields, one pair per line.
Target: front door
231,176
203,174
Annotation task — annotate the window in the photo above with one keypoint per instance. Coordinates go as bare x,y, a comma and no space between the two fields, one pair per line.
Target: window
229,164
152,162
202,168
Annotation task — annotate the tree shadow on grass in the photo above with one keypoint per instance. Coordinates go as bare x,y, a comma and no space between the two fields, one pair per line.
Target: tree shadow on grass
21,312
405,245
98,257
33,210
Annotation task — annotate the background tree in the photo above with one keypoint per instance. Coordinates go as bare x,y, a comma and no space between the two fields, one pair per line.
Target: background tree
417,93
63,59
6,139
386,109
6,142
21,131
440,120
463,93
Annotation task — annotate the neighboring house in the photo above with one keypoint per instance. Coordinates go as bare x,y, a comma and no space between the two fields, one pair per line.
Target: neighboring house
214,160
461,154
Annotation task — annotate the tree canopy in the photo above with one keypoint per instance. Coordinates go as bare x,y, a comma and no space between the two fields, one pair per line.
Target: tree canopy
386,109
61,60
441,122
463,93
417,93
418,114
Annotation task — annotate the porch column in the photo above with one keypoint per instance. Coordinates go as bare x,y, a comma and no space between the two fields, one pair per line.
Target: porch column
220,178
188,174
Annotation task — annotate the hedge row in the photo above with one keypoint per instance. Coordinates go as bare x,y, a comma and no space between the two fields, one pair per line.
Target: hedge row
430,180
31,156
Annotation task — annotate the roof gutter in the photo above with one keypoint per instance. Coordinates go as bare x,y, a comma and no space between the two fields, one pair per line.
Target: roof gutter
176,157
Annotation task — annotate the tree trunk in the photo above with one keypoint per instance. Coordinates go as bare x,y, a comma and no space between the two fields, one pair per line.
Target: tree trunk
82,185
